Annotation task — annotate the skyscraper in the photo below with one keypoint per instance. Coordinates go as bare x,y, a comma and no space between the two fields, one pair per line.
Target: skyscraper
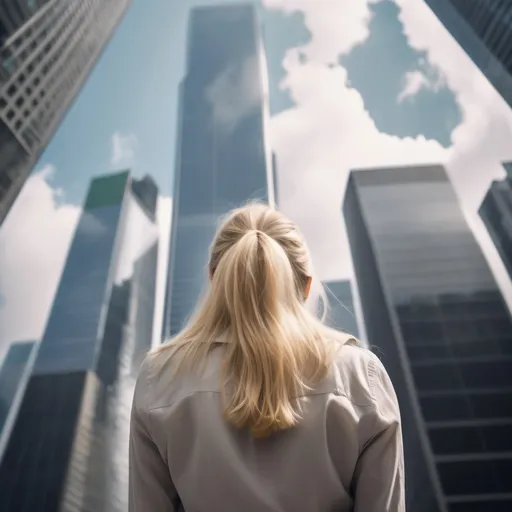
496,212
69,446
14,374
484,30
222,156
341,314
433,309
48,48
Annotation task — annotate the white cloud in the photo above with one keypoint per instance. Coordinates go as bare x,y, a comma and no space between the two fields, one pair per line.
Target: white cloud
164,210
234,93
414,82
336,26
329,131
124,150
34,241
317,142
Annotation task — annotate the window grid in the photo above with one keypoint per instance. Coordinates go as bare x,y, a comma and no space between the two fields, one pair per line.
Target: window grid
48,58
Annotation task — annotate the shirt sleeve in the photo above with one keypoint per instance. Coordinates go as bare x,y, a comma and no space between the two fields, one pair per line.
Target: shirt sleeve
379,476
150,485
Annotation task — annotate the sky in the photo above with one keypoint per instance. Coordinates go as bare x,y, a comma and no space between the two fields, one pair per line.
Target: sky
353,83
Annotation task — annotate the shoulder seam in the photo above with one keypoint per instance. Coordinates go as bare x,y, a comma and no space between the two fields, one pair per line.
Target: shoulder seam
371,373
148,407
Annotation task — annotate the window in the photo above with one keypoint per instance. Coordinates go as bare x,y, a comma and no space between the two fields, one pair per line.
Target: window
8,64
5,181
469,477
445,407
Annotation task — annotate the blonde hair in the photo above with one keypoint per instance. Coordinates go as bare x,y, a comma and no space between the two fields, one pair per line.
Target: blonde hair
276,348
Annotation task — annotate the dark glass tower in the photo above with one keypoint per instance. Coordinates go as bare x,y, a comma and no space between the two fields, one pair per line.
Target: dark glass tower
14,373
434,311
496,212
222,157
341,314
69,446
484,29
47,49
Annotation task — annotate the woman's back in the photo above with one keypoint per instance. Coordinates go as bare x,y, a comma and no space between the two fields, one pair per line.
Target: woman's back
282,415
346,453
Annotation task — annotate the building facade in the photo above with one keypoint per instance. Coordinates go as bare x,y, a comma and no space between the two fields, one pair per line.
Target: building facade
14,374
14,14
49,47
484,30
340,313
68,450
496,212
435,315
222,152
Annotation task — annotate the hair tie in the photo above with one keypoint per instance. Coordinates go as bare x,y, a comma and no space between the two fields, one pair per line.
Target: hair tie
258,233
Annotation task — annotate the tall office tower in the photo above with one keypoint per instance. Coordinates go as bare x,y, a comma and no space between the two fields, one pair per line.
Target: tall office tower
432,307
484,30
222,157
14,374
68,449
49,47
341,314
496,212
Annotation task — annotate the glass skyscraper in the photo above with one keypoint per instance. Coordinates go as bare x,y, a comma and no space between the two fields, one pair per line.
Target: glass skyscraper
14,373
222,157
47,49
439,322
484,29
496,212
68,450
341,314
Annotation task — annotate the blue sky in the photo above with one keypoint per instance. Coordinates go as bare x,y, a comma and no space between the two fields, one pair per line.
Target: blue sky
376,69
132,91
353,83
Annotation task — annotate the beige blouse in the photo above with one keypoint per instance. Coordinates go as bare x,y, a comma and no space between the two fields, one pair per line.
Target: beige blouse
345,455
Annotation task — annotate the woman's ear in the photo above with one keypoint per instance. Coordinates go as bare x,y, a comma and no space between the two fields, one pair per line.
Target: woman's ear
307,289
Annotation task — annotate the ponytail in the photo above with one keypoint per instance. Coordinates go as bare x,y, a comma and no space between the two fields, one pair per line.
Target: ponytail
258,282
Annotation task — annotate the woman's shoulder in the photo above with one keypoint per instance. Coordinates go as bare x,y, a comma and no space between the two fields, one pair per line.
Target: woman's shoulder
359,374
167,382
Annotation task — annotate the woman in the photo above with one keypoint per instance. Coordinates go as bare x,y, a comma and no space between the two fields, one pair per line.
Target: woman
257,406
